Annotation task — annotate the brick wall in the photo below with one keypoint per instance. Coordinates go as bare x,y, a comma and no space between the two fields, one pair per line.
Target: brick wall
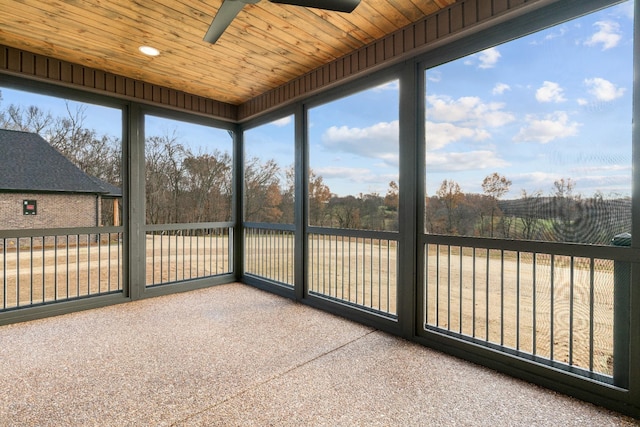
53,211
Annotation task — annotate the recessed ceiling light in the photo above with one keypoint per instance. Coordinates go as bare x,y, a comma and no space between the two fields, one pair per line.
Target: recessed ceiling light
148,50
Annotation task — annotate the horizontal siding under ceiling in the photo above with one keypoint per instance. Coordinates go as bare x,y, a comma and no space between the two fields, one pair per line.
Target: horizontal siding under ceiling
26,64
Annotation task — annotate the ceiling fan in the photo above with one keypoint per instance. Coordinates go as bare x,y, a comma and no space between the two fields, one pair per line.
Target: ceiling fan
230,8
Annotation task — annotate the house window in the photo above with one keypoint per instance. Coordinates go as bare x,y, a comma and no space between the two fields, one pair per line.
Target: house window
29,207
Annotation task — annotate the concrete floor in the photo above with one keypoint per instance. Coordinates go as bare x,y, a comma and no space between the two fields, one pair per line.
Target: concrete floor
236,356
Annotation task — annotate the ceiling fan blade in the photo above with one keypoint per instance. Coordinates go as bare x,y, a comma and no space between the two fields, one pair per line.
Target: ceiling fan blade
227,12
336,5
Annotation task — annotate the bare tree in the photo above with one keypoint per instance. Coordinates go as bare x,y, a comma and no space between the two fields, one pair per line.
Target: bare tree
208,187
164,175
262,196
319,197
434,220
31,119
565,210
450,194
346,211
528,216
288,196
391,200
495,186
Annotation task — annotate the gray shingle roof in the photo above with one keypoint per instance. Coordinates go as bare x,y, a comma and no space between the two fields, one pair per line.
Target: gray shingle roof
29,163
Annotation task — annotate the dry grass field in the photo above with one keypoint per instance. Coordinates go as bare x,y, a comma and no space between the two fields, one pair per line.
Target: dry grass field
44,274
360,271
483,294
494,298
38,274
175,258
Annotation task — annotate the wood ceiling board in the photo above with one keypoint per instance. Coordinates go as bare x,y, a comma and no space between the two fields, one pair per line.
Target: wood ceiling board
266,46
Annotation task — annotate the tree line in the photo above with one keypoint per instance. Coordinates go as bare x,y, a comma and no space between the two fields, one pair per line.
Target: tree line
563,215
183,186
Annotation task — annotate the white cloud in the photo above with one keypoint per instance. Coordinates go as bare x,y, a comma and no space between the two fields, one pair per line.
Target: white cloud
351,174
393,86
550,92
451,120
603,168
625,9
587,181
379,141
550,127
489,58
582,102
469,111
282,122
469,160
608,35
434,76
439,135
550,34
485,59
500,88
538,178
535,181
603,89
555,33
607,181
354,180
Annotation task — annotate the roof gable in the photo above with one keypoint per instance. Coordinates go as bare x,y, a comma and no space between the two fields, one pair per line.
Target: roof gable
29,163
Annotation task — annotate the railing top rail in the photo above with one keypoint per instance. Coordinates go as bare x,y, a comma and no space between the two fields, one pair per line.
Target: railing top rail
616,253
270,226
33,232
348,232
188,226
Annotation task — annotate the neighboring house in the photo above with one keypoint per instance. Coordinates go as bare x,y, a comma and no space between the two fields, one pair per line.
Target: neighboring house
41,188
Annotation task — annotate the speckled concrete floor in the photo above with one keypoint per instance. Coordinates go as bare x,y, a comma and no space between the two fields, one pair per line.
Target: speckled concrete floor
236,356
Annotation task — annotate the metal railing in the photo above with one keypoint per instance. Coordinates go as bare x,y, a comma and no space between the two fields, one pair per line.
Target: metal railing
269,251
550,302
179,252
54,265
357,267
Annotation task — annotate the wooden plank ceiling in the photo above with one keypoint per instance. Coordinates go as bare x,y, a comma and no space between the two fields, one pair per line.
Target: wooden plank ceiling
266,45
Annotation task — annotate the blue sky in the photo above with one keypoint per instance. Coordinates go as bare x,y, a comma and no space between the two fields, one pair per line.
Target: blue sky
353,142
555,104
552,105
198,138
105,120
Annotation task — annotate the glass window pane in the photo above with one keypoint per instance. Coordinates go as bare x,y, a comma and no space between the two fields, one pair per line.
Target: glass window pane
269,152
80,183
188,172
61,185
532,139
354,160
